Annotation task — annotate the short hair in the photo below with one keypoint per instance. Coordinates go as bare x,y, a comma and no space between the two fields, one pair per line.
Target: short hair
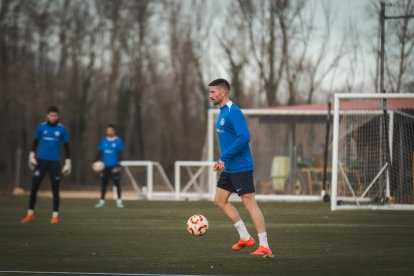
220,82
111,126
52,109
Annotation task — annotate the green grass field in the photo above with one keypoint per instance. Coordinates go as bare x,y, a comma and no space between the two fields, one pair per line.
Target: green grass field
151,237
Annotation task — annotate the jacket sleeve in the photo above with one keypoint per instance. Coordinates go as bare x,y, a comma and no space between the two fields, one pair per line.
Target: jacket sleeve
67,149
242,136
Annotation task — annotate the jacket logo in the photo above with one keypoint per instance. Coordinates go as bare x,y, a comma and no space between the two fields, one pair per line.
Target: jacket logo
222,121
57,133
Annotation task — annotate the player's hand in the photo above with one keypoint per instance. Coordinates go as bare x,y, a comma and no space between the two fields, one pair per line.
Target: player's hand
32,161
67,168
219,166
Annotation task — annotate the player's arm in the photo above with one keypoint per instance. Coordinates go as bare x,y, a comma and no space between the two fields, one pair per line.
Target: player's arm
99,153
98,156
67,168
66,149
32,155
242,136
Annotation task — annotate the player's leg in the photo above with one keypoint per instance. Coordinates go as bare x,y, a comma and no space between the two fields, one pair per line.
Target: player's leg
244,185
38,176
221,199
256,214
55,178
105,175
250,203
116,178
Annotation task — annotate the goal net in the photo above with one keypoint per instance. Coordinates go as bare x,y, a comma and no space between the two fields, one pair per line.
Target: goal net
373,152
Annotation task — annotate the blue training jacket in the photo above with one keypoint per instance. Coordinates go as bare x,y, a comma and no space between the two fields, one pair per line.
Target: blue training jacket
110,148
234,138
50,138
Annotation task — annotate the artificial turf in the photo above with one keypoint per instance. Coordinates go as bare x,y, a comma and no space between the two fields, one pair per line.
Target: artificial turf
151,237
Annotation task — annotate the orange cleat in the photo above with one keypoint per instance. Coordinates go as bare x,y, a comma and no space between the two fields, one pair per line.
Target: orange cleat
27,219
242,244
54,220
264,252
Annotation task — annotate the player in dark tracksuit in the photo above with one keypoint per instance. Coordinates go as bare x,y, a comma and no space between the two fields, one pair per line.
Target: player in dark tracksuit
110,149
44,158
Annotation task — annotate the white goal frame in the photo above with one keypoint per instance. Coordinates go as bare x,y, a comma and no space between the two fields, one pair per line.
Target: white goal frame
148,192
336,167
194,176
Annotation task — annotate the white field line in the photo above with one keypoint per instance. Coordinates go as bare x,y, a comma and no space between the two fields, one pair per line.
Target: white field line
79,273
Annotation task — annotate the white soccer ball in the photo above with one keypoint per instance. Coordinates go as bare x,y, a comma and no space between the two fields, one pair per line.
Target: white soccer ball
98,166
197,225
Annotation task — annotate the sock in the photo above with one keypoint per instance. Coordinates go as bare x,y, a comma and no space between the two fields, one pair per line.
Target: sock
263,239
241,228
119,201
30,212
55,214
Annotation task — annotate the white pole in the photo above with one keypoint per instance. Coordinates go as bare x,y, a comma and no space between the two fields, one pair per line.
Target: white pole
390,141
210,136
177,180
335,149
210,133
149,179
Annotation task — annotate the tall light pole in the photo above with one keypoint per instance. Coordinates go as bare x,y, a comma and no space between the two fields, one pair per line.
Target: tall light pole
383,17
388,155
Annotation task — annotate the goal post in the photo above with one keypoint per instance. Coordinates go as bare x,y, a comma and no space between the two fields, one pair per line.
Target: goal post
373,152
152,183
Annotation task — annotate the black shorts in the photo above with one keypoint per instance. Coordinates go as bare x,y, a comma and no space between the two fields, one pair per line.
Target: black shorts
48,166
240,182
108,173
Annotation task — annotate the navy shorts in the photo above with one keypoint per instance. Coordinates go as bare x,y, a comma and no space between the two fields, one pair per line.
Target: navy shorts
240,182
48,166
108,173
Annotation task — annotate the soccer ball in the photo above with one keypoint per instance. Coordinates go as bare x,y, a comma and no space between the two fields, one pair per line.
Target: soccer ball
98,166
197,225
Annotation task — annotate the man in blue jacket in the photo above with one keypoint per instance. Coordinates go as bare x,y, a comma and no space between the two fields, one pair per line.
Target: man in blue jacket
236,166
109,151
44,158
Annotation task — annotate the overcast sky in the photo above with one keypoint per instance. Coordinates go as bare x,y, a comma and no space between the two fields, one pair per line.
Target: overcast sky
344,12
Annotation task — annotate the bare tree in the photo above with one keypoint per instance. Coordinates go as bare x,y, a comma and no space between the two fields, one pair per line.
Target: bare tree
144,65
401,33
234,44
399,44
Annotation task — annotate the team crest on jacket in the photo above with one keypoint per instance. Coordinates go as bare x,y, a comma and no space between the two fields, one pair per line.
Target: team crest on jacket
222,121
57,133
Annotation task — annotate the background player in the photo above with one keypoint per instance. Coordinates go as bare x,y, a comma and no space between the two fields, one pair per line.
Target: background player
109,151
49,137
236,164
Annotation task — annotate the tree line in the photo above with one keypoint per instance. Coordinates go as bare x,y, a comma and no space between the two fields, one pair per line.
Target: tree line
145,65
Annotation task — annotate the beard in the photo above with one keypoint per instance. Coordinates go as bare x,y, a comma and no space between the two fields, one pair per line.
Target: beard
215,102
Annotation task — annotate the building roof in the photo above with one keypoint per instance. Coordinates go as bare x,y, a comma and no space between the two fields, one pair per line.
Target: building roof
368,104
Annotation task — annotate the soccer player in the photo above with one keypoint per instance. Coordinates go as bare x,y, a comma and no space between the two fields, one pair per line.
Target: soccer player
109,151
236,166
49,137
